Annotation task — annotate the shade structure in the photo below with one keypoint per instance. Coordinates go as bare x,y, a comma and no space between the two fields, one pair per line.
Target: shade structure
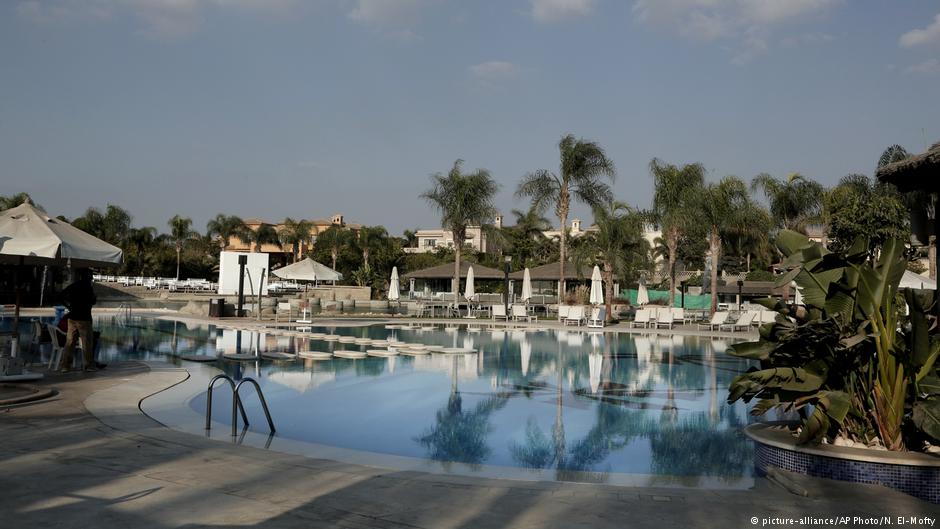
469,290
393,287
526,286
30,236
642,294
308,270
597,287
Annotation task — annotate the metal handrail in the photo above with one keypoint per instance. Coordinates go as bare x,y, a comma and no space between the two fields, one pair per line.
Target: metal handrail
236,402
264,404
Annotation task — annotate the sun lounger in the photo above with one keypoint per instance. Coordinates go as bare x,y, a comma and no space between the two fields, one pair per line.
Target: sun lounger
499,312
744,322
598,318
575,316
718,319
563,312
521,313
678,315
664,317
641,319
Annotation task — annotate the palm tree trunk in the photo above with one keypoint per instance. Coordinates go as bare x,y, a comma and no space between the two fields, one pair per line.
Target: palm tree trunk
672,245
608,287
177,261
562,250
333,255
714,243
456,284
932,258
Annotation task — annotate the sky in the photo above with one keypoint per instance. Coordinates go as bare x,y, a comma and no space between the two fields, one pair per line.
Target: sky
307,108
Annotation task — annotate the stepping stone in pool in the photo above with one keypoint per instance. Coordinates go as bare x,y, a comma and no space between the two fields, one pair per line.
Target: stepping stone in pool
331,337
315,355
416,346
241,357
380,343
316,335
349,354
414,352
346,339
392,327
199,358
455,350
278,356
363,341
381,352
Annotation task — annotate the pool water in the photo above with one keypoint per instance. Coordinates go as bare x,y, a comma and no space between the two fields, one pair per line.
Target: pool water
577,405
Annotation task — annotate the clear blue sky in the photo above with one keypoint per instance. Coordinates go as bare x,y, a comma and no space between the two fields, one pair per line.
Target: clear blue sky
277,108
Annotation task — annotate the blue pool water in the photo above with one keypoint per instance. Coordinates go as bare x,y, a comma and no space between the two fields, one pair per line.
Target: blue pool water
568,402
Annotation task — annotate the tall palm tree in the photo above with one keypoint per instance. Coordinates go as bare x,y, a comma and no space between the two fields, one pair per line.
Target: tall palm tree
582,166
618,245
674,197
371,238
141,239
295,233
723,207
181,229
223,227
264,234
751,236
795,202
334,238
463,199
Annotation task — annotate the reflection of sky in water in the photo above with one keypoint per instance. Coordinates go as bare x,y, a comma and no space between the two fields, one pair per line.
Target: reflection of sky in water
557,400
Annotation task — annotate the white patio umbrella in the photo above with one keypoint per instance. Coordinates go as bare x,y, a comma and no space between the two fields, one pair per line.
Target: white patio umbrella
29,236
393,288
597,287
308,270
469,291
526,286
642,294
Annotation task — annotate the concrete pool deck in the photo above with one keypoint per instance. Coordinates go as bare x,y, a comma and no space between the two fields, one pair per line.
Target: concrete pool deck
90,458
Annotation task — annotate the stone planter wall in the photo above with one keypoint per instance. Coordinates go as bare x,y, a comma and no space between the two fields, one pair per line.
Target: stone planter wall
916,474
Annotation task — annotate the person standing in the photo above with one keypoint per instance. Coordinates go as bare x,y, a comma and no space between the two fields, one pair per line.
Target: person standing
79,297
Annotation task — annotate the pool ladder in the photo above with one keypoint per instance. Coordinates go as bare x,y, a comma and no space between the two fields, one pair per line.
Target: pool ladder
237,403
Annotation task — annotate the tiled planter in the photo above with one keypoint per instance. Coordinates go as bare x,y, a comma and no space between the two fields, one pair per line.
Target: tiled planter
912,473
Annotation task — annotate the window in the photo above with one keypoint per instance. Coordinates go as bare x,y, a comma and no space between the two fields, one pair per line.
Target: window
430,243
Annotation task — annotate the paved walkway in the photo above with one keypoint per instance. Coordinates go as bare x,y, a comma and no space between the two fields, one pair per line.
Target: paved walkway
62,466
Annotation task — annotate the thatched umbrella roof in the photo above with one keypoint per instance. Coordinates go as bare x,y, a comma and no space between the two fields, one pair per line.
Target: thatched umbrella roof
915,173
549,272
446,271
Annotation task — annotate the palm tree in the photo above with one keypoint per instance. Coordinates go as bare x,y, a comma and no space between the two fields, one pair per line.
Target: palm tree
463,200
371,238
751,237
723,207
141,239
295,233
264,234
223,227
181,229
618,245
674,196
334,238
582,165
795,202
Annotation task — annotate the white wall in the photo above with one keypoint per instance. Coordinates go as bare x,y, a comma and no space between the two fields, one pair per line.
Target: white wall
228,273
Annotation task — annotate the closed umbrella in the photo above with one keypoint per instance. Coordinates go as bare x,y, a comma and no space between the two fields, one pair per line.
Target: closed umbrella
526,286
469,291
393,288
597,287
642,294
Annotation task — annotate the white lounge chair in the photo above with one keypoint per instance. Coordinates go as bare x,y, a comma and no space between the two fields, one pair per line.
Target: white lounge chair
575,316
59,338
678,315
521,313
598,318
283,309
563,312
499,312
766,316
641,318
664,317
718,319
744,322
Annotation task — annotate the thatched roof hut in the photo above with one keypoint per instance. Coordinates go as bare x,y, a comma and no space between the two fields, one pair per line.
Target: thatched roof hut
446,271
920,172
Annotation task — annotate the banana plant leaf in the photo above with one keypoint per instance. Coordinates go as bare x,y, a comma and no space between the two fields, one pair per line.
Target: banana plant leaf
927,416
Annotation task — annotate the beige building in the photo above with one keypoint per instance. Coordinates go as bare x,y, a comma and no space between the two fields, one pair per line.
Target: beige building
318,226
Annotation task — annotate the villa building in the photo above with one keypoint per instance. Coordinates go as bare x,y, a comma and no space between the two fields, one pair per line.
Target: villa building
284,252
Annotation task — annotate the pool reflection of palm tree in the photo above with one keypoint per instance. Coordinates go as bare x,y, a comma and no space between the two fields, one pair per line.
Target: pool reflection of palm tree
458,435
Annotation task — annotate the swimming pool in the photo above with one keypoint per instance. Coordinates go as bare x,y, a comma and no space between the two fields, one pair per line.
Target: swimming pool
566,404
